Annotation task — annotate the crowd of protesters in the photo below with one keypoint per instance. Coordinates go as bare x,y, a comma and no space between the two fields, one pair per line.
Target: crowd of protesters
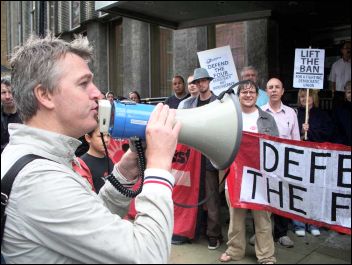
263,111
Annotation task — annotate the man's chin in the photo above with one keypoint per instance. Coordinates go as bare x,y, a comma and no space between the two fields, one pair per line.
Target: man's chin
93,125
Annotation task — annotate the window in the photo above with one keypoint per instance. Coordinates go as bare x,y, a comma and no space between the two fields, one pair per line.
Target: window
75,14
33,21
19,24
162,61
51,16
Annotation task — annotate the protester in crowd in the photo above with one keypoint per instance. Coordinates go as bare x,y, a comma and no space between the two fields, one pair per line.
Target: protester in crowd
341,72
134,96
319,128
209,173
84,146
53,215
9,112
192,89
178,86
342,118
251,73
257,121
94,163
110,96
287,123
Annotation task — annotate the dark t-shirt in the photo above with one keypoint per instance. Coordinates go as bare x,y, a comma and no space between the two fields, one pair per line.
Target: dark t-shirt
342,119
173,101
99,169
203,102
6,119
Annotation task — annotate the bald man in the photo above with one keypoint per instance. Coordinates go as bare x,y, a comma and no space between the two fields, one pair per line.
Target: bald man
287,123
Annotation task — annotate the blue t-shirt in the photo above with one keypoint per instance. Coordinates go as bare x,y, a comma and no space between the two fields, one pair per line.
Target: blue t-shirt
262,98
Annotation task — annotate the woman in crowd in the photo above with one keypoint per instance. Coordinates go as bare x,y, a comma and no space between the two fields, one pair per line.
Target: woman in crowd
319,128
134,96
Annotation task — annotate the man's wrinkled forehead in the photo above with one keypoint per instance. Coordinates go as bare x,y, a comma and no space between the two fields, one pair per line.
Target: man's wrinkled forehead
250,73
247,87
274,83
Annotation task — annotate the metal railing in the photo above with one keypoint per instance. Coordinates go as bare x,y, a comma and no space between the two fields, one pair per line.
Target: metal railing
153,101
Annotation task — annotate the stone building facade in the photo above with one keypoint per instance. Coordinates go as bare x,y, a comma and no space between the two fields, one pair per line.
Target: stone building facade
135,55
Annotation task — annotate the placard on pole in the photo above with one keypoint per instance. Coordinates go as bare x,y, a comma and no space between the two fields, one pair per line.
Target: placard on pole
309,72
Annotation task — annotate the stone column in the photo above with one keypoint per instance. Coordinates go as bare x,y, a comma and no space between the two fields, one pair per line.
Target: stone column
96,33
136,64
187,42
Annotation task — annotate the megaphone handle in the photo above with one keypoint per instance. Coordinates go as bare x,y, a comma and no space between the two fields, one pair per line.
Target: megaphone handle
141,163
132,144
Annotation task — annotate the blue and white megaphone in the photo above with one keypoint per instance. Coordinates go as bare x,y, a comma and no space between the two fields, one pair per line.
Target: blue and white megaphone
214,129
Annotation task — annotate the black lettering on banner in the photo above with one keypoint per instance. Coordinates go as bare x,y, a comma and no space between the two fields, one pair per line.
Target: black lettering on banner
288,162
334,204
181,157
292,196
255,174
265,144
341,170
314,166
188,152
268,190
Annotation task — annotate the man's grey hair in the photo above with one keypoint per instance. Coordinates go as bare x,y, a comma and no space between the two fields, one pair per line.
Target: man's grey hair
36,62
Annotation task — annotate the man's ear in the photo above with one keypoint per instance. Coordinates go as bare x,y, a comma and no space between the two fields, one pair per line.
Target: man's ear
88,138
44,97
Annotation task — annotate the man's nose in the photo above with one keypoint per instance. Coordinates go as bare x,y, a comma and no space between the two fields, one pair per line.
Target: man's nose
96,92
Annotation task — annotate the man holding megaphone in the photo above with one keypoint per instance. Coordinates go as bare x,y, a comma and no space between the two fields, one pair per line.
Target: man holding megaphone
53,215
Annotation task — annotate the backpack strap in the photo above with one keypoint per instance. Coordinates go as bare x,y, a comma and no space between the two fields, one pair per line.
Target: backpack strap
7,181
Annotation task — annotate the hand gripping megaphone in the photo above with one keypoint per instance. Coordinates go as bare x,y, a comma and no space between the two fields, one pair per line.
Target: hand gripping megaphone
214,129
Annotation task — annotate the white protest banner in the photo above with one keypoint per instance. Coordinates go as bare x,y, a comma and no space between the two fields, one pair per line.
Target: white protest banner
220,65
305,181
309,68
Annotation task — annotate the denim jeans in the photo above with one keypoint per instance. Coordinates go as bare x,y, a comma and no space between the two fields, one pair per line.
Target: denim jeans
2,260
302,226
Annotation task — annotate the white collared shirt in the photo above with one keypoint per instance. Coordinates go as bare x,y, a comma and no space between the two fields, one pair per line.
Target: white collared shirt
340,73
286,121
